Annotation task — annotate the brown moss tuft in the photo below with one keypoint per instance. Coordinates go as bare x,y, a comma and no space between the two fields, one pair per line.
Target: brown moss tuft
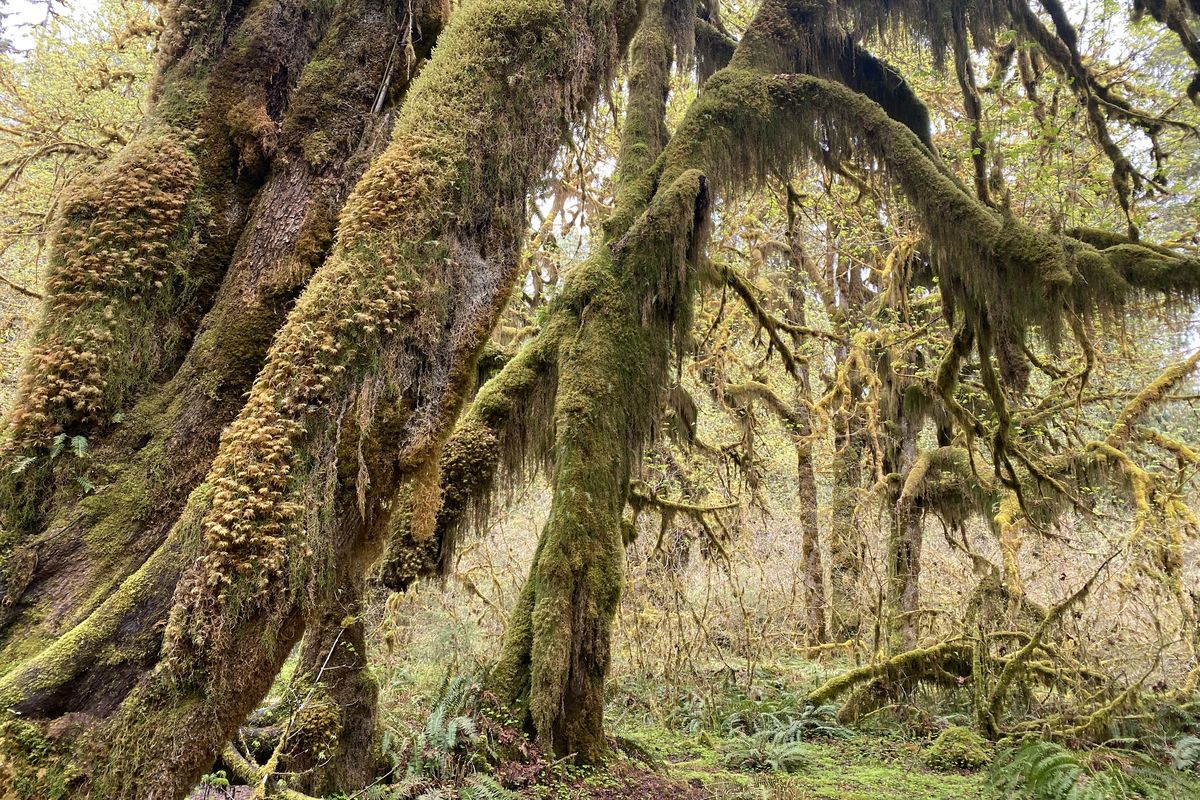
118,253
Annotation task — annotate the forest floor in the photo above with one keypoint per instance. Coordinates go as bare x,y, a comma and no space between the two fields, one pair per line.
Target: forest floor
866,767
672,766
727,728
720,739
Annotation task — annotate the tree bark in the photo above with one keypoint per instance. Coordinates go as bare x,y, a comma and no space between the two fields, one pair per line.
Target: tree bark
903,592
815,603
146,467
613,337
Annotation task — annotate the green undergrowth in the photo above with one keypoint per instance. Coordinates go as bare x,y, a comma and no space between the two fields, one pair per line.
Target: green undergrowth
863,767
740,732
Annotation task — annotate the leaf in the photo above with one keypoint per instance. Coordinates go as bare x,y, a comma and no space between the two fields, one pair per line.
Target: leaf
22,464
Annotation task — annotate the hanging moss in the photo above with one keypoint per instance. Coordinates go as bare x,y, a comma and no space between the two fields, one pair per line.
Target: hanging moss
614,326
927,23
748,124
505,434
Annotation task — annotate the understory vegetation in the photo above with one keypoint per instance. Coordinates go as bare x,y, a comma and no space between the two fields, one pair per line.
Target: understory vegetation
565,399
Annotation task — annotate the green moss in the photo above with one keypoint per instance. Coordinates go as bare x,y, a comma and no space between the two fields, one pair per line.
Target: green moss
117,257
32,766
863,768
958,748
77,649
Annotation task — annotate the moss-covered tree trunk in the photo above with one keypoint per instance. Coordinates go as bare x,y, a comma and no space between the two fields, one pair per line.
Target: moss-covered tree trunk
815,604
144,467
847,550
263,533
609,355
903,591
611,331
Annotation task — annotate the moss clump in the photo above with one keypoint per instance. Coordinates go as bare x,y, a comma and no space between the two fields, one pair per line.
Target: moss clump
958,747
116,253
32,767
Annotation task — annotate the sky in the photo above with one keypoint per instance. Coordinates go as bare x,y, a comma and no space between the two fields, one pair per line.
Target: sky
22,14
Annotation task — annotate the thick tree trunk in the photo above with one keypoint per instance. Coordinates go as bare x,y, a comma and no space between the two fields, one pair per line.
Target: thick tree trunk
333,657
139,253
146,468
354,395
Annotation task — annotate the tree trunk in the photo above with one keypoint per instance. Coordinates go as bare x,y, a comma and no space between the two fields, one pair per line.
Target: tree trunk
128,327
610,358
846,547
146,467
815,603
354,394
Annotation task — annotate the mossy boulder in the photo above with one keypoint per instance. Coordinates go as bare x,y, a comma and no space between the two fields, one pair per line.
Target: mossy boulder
958,748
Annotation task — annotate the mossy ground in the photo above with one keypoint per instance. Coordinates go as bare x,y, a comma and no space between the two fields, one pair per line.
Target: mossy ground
679,743
867,767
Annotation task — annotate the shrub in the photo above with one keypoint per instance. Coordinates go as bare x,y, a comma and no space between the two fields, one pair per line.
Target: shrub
958,748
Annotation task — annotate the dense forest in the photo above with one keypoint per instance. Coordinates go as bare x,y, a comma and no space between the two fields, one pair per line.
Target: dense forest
689,399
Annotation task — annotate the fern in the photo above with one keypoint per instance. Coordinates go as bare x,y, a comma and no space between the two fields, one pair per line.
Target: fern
436,793
459,733
443,750
762,754
1047,771
1039,770
485,787
1185,754
784,724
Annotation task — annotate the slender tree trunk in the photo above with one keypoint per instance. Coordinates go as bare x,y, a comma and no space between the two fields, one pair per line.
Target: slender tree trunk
903,594
555,653
815,603
846,547
810,547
